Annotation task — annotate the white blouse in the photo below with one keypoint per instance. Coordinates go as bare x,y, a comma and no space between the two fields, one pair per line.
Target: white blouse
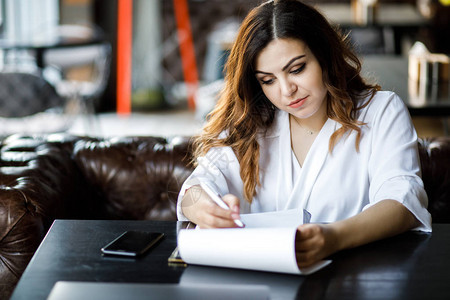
331,186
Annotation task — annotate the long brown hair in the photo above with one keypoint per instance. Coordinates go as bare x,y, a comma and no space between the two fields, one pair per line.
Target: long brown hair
243,111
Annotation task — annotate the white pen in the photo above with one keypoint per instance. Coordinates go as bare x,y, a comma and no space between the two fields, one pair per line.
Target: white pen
218,200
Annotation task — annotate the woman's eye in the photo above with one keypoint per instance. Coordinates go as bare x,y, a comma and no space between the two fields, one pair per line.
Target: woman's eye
299,69
270,81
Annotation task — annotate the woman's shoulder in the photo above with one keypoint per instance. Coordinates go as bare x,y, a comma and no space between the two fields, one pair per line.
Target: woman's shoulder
381,102
386,96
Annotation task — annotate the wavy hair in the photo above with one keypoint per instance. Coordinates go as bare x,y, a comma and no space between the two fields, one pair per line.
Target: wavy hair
243,111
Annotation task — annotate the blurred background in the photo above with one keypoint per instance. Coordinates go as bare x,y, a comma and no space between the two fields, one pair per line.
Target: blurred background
154,67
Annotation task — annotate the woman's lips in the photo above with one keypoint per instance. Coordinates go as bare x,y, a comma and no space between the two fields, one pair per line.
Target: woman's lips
297,103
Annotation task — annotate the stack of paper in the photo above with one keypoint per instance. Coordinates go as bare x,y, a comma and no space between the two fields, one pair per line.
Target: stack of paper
267,243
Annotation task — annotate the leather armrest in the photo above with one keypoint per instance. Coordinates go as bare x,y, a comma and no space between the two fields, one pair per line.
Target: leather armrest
435,161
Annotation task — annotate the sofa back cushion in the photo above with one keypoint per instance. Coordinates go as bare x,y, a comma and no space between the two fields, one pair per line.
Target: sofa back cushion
134,178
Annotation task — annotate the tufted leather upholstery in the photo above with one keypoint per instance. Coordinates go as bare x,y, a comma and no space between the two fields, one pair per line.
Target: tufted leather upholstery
61,176
435,162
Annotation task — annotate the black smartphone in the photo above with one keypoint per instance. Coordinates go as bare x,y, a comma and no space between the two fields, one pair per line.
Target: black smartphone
132,243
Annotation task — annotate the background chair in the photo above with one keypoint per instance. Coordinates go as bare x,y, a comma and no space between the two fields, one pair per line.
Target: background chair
84,72
30,104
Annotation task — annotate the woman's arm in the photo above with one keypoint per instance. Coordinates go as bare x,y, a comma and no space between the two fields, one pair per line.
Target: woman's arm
387,218
198,207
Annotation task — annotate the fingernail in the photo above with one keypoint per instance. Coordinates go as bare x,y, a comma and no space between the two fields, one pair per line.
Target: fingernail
235,216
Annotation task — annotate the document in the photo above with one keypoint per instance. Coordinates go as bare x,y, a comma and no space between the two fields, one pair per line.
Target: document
267,243
285,218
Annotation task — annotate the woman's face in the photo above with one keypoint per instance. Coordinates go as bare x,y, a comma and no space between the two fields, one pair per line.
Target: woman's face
291,78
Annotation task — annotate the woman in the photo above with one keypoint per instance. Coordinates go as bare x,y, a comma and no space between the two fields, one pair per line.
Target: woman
297,127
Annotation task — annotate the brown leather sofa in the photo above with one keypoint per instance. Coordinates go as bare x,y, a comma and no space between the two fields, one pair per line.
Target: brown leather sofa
43,178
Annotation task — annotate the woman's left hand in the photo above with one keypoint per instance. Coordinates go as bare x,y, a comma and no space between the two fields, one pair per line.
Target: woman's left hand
314,242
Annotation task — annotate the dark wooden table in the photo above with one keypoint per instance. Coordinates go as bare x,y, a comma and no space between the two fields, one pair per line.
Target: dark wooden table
409,266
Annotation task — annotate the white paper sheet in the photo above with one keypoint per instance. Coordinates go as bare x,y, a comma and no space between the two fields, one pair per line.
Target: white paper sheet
267,243
285,218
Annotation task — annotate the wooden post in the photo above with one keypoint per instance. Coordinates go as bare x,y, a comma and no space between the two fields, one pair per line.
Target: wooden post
124,55
186,49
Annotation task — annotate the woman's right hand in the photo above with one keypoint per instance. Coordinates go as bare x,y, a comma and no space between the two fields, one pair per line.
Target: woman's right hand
198,207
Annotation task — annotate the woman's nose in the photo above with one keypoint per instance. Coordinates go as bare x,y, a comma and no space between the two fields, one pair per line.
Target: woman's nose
288,88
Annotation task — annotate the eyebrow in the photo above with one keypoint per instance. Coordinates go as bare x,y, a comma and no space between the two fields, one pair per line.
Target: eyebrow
286,66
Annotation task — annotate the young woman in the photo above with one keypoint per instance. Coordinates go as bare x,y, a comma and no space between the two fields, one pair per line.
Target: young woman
297,127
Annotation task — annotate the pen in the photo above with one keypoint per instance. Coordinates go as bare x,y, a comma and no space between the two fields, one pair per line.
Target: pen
218,200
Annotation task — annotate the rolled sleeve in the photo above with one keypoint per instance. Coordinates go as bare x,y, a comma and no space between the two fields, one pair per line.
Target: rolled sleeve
408,191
